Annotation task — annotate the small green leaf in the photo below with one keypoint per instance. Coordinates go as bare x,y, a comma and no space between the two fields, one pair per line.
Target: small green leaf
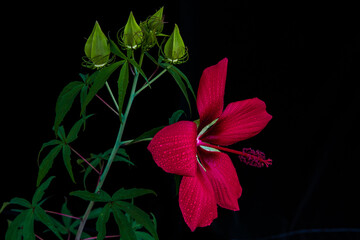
123,194
50,143
125,228
65,101
47,163
65,210
147,136
41,215
5,204
122,85
101,222
176,116
88,196
99,78
183,76
143,236
66,152
138,68
20,201
40,191
73,134
139,215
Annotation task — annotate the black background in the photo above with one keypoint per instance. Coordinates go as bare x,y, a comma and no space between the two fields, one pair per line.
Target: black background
301,58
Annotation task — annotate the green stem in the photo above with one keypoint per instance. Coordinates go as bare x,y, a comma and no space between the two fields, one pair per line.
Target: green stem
152,80
112,155
112,95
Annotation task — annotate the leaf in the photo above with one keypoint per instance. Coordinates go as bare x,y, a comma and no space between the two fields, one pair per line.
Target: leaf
20,201
138,68
65,101
183,76
102,220
176,116
181,85
115,50
5,204
143,236
66,152
65,210
14,230
47,163
73,133
41,215
88,196
125,228
147,136
123,194
40,191
99,78
139,215
50,143
28,227
123,82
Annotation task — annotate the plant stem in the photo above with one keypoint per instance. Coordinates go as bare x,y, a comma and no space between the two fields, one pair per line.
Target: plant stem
84,159
61,214
102,100
152,80
112,155
112,95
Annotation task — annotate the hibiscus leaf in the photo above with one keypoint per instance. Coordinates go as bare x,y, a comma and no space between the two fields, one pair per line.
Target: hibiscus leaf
147,136
139,215
181,85
125,228
183,76
65,101
102,220
123,194
98,80
47,163
89,196
176,116
65,210
143,236
50,143
115,50
40,191
41,215
66,152
138,68
122,86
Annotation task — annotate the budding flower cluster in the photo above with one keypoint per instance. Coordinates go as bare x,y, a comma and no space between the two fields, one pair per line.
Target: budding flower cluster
134,36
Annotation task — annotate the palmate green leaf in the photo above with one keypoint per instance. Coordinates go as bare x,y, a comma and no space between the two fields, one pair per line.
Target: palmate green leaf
102,196
98,80
102,220
123,82
138,68
139,215
41,215
143,236
183,76
40,191
65,101
65,210
125,228
181,85
123,194
47,163
115,50
47,144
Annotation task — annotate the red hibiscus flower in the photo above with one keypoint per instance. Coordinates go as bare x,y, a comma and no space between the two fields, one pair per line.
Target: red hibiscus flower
196,152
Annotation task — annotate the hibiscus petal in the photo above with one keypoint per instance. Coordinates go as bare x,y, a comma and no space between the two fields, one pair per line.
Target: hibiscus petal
223,177
210,95
197,200
240,120
174,148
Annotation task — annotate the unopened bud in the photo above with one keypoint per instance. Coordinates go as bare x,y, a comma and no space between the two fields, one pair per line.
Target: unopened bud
132,36
175,50
97,47
156,22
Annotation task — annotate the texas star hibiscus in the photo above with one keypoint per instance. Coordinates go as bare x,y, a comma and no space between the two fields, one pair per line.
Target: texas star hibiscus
196,152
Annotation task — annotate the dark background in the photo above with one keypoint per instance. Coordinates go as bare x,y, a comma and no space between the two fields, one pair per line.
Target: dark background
301,58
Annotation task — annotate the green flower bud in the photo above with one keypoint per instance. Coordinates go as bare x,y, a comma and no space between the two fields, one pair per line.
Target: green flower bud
175,50
156,22
132,35
97,47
